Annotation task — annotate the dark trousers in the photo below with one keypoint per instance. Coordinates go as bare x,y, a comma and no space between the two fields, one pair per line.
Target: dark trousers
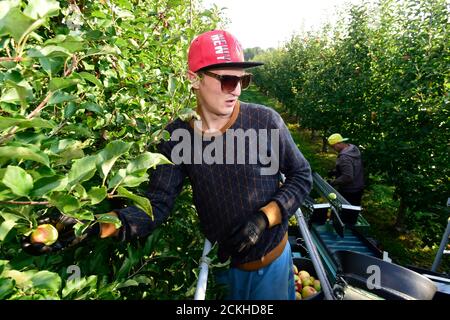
353,197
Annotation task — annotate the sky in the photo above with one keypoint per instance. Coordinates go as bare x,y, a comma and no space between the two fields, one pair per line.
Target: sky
270,23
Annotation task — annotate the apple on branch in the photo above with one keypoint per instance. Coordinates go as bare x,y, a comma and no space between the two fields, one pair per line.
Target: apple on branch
44,233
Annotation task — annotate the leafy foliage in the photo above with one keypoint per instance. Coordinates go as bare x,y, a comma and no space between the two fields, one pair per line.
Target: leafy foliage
86,90
381,78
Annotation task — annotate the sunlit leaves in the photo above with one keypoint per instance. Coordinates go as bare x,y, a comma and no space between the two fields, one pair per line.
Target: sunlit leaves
83,103
18,180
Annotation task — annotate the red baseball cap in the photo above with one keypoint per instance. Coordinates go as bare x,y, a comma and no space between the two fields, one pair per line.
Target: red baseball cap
215,49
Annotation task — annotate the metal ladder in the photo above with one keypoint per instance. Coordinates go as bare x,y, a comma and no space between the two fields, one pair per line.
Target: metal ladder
444,242
200,291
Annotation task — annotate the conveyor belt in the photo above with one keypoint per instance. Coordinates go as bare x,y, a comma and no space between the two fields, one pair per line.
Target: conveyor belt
350,241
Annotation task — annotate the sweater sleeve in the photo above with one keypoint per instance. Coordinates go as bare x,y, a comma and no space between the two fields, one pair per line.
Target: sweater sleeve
165,184
296,169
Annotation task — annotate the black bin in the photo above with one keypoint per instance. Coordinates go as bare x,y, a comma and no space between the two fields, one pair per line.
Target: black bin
396,282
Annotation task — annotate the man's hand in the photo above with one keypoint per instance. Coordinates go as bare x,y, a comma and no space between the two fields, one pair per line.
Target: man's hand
66,235
247,234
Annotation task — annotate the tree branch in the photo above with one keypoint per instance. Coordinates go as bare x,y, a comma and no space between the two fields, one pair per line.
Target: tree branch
31,115
33,203
40,106
15,59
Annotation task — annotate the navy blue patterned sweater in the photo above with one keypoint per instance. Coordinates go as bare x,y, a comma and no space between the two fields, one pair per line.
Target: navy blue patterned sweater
225,192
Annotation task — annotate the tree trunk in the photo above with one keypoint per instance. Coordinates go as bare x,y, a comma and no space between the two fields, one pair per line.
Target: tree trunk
324,144
401,214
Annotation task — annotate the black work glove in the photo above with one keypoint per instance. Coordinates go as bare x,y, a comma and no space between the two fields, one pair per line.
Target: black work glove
245,235
66,235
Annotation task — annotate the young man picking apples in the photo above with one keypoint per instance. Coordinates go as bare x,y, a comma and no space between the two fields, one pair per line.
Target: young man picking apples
236,188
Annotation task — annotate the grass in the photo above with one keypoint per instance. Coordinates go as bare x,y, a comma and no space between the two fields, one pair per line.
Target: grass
405,247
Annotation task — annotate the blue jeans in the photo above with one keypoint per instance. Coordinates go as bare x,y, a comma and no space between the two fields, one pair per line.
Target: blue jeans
273,282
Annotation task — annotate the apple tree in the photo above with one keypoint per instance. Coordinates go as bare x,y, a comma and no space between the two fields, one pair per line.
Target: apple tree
86,90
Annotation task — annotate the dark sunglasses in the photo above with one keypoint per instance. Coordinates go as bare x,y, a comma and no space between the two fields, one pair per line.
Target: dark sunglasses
228,82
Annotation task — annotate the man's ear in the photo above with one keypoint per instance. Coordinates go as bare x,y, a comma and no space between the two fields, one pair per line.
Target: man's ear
194,79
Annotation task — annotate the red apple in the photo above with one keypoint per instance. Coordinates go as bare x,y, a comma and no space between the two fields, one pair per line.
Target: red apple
44,233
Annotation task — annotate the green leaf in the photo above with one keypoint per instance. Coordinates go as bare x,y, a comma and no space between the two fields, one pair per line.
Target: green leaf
50,51
70,109
18,180
65,203
117,178
48,184
52,65
41,8
109,155
60,97
128,283
71,43
80,228
147,160
12,21
46,280
6,122
10,95
6,195
91,78
20,91
92,107
97,194
75,286
67,149
133,180
82,215
175,3
7,225
79,191
6,288
172,85
135,173
139,201
107,218
22,279
79,129
7,5
62,83
23,153
142,279
82,170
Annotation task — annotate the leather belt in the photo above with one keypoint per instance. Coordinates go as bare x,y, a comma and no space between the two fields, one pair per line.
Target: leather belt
267,259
